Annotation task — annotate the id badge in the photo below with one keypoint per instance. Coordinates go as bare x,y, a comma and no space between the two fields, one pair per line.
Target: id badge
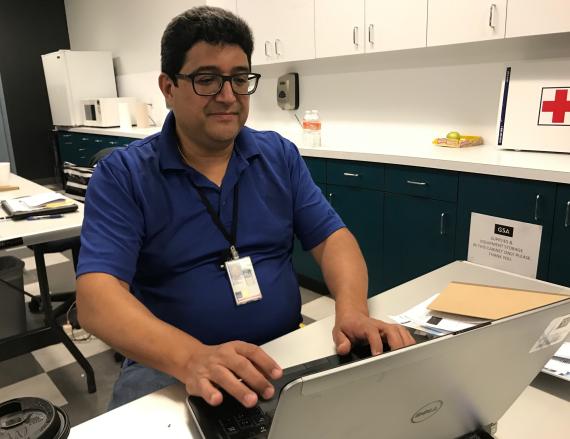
243,280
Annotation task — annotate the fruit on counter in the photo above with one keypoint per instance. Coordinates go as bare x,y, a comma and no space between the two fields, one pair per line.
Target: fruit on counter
453,135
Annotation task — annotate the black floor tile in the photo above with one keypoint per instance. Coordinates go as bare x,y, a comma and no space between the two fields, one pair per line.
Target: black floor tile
18,369
70,381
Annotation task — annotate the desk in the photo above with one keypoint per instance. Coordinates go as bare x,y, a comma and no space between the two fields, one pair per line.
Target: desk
19,233
540,412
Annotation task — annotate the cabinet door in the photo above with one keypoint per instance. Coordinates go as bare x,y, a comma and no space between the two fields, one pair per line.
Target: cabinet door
560,252
350,203
520,200
532,17
394,25
283,31
419,236
339,27
463,21
261,17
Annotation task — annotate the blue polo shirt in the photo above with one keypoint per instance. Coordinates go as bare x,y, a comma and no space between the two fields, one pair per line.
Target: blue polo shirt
146,225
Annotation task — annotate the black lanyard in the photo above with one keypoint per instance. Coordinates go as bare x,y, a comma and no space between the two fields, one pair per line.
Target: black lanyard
230,236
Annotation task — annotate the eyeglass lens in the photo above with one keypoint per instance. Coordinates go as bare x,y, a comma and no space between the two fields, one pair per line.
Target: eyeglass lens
210,84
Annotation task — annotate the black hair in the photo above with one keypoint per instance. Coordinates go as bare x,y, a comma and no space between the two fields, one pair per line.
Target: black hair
203,23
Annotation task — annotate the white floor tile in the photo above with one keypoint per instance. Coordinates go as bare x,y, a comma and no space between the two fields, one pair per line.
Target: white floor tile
50,259
56,356
39,386
32,288
319,308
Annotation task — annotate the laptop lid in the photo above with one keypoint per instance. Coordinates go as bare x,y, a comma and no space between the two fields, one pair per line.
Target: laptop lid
443,388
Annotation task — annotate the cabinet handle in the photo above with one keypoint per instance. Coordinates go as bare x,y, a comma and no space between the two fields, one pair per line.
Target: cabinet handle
351,174
417,183
567,218
81,149
492,14
371,33
442,224
267,48
355,36
537,208
277,44
85,138
98,141
331,198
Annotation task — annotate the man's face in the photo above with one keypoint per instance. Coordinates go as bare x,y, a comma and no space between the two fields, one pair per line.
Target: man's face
211,122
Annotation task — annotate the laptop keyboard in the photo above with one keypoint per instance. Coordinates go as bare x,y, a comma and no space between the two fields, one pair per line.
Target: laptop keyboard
246,423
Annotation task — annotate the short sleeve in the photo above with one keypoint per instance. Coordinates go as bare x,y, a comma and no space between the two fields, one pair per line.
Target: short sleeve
314,219
113,225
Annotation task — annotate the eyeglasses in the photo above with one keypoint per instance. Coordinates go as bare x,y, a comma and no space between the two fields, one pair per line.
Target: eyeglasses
210,84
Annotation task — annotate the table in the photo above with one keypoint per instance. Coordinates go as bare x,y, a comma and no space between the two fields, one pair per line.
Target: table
541,411
24,233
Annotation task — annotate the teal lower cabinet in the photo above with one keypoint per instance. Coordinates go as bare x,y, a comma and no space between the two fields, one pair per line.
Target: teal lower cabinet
560,250
78,148
361,211
520,200
419,236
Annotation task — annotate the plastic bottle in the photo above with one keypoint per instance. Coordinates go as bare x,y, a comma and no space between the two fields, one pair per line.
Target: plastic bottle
311,129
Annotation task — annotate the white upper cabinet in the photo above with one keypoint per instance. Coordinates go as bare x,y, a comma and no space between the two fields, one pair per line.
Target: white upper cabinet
395,25
339,27
346,27
283,30
462,21
534,17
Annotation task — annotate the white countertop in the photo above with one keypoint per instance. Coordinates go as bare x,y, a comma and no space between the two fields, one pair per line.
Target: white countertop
413,151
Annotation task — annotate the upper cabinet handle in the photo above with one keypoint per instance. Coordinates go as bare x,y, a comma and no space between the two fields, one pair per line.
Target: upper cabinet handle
277,44
492,14
442,224
371,33
417,183
537,208
355,36
351,174
267,48
567,218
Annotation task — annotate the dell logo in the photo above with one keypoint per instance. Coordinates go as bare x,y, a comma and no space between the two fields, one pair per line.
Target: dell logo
504,230
427,411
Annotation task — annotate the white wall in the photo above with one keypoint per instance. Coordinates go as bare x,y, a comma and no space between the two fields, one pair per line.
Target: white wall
413,95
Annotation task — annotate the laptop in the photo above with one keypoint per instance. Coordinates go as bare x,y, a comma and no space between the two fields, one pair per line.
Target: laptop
454,386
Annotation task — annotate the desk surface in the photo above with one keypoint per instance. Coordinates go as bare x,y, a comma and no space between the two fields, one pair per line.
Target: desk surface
15,233
541,410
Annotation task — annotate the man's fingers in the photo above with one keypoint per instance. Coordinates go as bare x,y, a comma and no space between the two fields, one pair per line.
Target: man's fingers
263,362
406,336
209,393
244,368
375,341
227,380
341,342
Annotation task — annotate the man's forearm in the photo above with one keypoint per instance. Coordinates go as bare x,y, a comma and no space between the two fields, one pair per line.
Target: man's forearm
344,270
108,310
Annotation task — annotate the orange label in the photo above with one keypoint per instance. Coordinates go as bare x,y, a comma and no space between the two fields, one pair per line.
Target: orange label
311,125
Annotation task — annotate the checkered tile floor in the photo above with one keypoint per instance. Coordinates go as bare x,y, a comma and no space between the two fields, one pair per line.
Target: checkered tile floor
52,373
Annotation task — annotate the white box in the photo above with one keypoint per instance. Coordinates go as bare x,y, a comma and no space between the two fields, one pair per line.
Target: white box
75,75
534,109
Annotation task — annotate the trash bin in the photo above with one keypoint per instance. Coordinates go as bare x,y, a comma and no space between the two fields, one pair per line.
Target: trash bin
12,304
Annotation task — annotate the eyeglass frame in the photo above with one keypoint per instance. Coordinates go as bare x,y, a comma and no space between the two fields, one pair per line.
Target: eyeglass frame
225,78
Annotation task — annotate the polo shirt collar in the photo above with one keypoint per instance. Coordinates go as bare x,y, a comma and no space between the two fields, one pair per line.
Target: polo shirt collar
169,156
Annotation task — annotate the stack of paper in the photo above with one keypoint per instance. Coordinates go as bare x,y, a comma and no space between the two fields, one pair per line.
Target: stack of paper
560,363
40,204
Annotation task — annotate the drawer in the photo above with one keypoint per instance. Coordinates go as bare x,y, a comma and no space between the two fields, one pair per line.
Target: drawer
355,174
422,182
317,168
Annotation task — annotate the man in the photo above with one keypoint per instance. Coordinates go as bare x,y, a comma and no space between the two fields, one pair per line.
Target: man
185,263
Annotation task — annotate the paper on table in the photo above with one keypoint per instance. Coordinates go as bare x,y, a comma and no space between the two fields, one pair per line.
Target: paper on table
42,199
564,351
558,367
420,317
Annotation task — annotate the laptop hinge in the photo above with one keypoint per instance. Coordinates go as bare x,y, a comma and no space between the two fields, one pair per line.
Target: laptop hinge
485,432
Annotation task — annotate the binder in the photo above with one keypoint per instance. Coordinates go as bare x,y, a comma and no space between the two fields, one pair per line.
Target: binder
17,209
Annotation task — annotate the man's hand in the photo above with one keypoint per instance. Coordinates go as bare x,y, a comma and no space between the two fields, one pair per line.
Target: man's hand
240,368
352,326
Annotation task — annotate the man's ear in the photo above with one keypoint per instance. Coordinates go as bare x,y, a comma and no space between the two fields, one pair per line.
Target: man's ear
166,85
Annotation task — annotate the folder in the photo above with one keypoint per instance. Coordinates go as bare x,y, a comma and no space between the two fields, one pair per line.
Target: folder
18,209
488,302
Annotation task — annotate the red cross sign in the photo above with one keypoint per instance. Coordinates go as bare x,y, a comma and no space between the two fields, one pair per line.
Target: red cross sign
554,106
